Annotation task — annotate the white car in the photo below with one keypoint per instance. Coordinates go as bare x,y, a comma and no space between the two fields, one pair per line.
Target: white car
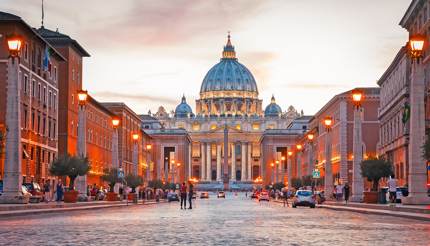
221,194
304,198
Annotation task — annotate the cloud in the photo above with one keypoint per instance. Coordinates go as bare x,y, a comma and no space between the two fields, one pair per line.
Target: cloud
315,86
259,64
141,98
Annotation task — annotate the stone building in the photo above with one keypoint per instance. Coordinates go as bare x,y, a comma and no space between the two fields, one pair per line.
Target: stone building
38,79
227,125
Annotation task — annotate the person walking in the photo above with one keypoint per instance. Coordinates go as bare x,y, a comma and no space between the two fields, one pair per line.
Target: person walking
183,195
392,188
47,192
190,195
346,192
339,192
59,190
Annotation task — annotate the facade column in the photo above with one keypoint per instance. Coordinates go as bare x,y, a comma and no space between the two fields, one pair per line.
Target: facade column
115,160
357,179
208,162
148,168
203,161
243,163
218,162
136,157
12,179
289,172
328,174
417,179
343,143
233,162
190,162
249,145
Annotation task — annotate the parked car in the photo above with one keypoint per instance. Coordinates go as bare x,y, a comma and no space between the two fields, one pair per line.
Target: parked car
172,196
304,198
35,191
204,195
221,194
263,196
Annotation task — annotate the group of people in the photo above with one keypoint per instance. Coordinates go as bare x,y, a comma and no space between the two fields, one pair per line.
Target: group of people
183,193
58,191
342,192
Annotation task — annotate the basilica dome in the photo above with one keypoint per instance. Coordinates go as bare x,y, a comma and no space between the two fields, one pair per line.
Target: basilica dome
273,109
229,78
183,109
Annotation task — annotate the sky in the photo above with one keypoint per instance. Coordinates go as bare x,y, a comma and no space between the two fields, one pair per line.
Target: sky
147,53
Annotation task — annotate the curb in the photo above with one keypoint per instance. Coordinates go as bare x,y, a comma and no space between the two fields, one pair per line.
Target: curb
416,216
6,214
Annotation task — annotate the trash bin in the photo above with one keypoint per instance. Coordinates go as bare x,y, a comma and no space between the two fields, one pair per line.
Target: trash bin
382,195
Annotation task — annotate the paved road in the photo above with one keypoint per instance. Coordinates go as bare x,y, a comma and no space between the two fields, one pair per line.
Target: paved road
233,221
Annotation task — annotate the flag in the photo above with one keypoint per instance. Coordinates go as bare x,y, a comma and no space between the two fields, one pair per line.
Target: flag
46,59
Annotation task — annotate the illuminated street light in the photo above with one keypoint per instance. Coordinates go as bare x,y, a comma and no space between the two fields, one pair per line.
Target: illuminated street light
328,122
416,46
82,97
115,122
135,136
14,44
357,97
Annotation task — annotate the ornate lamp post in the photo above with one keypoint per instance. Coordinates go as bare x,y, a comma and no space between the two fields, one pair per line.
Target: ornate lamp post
417,165
115,158
135,137
12,179
178,166
148,161
299,149
289,169
283,168
328,177
310,167
276,171
82,141
357,179
272,165
172,170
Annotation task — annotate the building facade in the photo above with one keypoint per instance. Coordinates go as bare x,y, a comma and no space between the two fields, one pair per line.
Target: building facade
226,129
393,115
341,109
38,79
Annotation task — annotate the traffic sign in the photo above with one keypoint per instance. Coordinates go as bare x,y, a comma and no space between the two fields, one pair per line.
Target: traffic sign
316,174
120,173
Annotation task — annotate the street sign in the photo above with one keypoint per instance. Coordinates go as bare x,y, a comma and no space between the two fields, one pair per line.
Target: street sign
316,174
120,173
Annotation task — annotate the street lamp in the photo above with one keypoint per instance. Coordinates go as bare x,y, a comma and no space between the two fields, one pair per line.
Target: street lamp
328,177
148,154
273,171
115,157
310,138
417,165
12,179
289,169
82,140
135,137
357,179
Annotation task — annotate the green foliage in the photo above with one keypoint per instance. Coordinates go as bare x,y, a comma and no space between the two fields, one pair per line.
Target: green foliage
374,169
296,183
157,184
70,166
111,177
133,181
307,180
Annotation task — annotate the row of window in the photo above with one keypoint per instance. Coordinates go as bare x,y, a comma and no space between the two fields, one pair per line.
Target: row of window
39,122
37,55
391,129
40,92
34,154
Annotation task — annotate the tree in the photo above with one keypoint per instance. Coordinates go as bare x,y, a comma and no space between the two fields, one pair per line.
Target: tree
278,186
374,169
70,166
307,180
111,177
157,184
133,181
296,183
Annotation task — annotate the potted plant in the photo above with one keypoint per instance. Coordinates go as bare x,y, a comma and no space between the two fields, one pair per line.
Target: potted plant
374,169
71,167
133,181
111,177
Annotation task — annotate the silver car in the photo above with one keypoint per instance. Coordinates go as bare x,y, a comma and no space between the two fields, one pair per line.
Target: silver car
304,198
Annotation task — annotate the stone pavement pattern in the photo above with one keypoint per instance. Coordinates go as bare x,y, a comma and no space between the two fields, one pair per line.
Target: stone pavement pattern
233,221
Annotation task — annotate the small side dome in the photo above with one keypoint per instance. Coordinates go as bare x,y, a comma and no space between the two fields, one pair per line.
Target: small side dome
273,109
183,110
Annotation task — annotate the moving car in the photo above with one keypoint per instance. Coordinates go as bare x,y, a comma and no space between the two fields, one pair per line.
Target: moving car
172,196
304,198
204,195
221,194
263,196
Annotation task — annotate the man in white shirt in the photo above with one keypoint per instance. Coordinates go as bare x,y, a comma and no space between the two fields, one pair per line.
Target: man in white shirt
392,188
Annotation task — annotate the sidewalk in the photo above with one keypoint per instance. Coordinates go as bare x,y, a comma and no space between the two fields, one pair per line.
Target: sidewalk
419,212
8,210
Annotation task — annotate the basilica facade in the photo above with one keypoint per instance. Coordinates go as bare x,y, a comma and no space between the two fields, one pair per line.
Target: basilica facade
224,136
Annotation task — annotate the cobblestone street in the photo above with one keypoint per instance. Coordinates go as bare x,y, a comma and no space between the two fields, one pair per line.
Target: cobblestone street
233,221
